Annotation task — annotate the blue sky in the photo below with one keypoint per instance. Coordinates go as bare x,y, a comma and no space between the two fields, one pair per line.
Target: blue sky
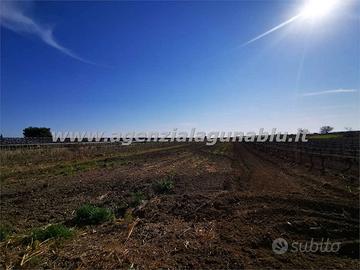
144,66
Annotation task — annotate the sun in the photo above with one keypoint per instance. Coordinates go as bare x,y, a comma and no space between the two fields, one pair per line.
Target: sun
315,9
311,11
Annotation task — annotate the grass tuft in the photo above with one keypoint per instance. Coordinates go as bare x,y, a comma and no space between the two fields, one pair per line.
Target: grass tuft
52,231
164,186
89,215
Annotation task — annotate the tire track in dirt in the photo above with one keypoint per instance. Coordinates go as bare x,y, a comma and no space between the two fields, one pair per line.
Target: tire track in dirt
261,176
280,196
318,184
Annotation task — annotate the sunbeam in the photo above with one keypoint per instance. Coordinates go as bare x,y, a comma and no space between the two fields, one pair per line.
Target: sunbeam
313,9
273,29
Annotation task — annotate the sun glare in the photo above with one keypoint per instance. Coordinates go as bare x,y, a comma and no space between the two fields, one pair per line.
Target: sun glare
315,9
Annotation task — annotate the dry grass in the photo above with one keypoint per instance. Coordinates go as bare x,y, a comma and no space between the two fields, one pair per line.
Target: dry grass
22,163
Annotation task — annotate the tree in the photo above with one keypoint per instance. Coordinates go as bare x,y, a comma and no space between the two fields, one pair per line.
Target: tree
348,128
37,132
325,129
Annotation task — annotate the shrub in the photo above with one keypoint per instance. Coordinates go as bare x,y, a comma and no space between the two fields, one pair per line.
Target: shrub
165,185
52,231
89,214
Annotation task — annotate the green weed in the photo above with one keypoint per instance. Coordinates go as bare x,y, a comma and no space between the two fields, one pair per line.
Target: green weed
89,214
164,186
52,231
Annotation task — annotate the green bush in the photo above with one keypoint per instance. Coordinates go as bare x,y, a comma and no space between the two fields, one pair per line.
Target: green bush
165,185
52,231
89,214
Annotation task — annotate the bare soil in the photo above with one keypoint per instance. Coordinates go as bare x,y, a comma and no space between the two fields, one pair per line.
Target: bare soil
228,205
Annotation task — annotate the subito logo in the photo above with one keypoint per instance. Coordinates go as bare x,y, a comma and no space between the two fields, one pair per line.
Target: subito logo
279,246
